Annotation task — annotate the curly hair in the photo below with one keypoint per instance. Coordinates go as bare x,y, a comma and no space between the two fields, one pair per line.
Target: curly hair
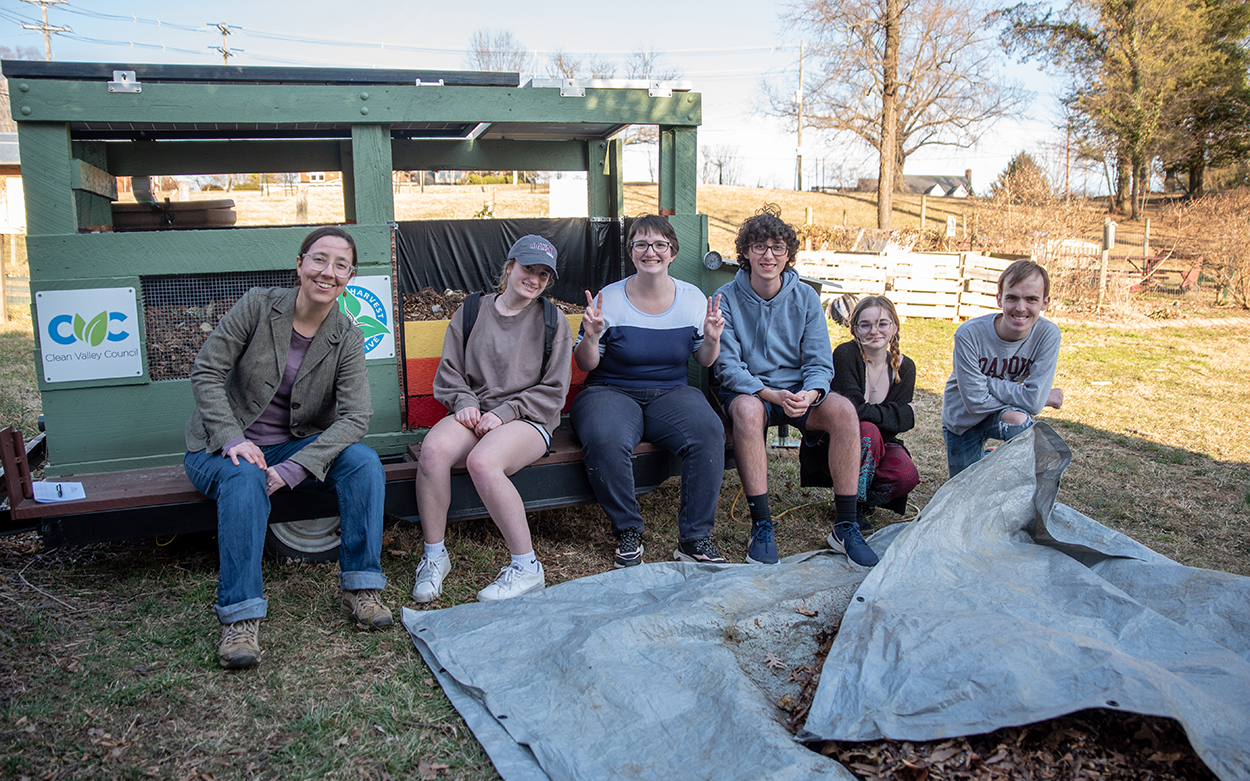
759,229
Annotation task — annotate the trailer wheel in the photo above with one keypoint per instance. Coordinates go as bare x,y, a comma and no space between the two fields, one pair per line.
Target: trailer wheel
316,539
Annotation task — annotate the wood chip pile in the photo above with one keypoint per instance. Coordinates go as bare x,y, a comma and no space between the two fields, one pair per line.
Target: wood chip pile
1097,745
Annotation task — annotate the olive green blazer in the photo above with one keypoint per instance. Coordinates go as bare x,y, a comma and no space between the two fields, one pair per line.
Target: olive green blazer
239,368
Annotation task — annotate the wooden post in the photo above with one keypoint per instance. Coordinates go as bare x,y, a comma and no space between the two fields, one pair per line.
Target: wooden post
924,208
4,297
301,205
1145,245
807,221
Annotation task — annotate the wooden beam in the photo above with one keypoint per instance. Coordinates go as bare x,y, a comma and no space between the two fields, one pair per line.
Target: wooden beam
371,180
81,258
270,104
46,178
97,181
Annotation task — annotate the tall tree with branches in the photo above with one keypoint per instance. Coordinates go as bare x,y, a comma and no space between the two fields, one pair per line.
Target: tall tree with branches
898,74
1128,61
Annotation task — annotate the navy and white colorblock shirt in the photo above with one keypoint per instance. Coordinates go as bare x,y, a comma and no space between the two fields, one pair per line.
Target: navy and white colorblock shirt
638,350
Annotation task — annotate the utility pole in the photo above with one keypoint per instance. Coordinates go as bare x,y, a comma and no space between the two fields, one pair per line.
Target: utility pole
799,149
226,54
1067,164
46,28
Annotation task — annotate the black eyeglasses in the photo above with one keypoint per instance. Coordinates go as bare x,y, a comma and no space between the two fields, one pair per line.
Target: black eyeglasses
660,247
776,249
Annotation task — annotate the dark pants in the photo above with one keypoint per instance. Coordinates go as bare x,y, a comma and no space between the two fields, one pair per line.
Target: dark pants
886,471
611,421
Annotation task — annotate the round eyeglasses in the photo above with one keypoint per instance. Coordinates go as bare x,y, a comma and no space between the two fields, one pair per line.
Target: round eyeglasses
318,262
660,247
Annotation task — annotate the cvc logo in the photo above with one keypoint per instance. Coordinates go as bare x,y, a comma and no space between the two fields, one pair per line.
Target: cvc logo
64,329
373,325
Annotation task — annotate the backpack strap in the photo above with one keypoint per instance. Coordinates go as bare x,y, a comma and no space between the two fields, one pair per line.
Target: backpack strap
551,320
468,316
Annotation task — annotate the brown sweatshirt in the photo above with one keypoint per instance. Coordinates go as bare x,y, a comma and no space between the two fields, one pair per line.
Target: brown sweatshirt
499,371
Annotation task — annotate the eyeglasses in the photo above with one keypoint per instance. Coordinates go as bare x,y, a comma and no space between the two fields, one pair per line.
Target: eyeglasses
318,262
865,327
775,249
660,247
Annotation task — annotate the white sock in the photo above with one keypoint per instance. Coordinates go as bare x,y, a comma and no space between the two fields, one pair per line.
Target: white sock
436,550
526,561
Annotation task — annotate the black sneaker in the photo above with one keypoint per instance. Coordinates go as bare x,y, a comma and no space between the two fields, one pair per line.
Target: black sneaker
628,549
861,517
845,538
698,551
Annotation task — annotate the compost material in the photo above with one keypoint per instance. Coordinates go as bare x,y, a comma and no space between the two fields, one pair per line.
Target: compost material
429,304
995,608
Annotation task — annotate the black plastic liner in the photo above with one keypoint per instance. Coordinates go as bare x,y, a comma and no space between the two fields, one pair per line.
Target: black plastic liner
469,254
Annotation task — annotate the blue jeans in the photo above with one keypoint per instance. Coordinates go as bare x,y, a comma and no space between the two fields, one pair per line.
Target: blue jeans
964,450
243,517
611,421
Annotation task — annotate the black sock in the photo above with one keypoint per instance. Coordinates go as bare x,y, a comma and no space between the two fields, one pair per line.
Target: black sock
758,505
844,508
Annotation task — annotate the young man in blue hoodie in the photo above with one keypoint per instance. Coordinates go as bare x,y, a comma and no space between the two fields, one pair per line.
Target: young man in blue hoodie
775,367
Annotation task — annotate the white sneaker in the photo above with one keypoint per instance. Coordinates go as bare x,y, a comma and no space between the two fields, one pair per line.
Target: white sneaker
430,574
513,582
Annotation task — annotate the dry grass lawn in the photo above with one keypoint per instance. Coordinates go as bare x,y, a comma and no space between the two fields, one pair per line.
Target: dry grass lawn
108,667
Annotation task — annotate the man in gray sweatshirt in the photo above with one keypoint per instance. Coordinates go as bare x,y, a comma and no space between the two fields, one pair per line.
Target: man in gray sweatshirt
1003,368
775,367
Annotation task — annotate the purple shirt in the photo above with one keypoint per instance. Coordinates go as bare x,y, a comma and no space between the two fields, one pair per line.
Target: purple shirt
273,427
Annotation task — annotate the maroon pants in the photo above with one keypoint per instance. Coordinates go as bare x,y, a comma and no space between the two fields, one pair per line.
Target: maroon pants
886,472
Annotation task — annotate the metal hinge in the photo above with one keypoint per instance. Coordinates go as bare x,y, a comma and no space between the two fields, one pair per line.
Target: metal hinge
124,81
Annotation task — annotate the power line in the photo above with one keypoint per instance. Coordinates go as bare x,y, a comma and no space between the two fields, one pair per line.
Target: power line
47,29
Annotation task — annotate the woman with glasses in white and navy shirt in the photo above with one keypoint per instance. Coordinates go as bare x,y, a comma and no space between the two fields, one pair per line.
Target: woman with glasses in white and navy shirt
636,339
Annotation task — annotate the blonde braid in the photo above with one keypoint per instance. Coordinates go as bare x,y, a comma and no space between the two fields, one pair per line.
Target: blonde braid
896,355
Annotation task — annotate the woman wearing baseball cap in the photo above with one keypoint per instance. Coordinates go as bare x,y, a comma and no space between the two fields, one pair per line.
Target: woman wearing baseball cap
504,400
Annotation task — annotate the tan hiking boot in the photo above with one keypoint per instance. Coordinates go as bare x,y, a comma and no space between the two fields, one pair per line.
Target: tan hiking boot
365,607
240,644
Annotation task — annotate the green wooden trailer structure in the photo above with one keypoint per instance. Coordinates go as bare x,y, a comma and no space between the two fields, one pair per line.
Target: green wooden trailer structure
109,404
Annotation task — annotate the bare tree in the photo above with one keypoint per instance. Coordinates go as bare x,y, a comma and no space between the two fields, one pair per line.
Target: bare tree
562,65
721,164
949,86
491,50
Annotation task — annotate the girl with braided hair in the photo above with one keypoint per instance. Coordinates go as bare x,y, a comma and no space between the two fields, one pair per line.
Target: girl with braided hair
871,371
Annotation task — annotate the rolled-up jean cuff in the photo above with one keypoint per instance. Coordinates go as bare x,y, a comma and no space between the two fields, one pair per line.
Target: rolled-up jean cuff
242,611
355,581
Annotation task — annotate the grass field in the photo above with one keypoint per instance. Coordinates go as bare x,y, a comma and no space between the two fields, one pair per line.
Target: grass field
108,667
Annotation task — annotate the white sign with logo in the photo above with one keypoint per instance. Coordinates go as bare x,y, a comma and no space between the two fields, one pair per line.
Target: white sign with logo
89,334
368,302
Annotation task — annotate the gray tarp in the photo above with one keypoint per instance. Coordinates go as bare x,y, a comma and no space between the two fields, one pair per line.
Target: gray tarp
967,625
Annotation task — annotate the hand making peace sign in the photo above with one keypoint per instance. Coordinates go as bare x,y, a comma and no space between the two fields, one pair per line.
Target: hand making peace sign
714,323
592,318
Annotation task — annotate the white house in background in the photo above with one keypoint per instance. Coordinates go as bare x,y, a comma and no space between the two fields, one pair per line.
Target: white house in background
939,186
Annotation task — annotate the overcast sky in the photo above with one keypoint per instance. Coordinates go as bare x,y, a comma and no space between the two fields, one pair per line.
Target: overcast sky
727,49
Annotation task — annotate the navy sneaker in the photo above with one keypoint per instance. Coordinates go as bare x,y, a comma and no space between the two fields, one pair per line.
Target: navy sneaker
762,549
628,549
845,538
699,551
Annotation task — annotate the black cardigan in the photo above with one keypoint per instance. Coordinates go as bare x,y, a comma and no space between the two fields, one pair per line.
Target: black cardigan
894,415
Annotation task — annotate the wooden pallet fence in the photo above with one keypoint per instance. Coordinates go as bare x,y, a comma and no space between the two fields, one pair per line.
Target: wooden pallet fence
980,284
855,272
925,284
